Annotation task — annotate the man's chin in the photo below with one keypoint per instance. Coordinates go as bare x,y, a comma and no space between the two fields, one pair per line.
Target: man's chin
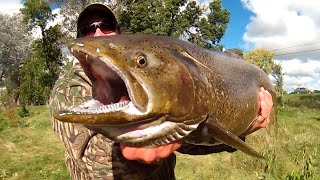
149,154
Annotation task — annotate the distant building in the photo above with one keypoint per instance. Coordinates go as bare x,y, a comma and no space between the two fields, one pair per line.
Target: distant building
302,90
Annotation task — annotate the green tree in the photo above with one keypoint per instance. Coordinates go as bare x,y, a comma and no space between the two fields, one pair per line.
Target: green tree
47,49
178,18
168,17
213,28
14,47
36,13
261,58
33,88
277,74
236,52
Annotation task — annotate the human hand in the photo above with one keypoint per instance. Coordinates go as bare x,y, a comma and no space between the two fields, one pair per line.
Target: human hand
264,105
149,155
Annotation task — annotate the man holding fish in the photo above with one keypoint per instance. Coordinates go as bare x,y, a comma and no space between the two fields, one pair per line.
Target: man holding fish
92,155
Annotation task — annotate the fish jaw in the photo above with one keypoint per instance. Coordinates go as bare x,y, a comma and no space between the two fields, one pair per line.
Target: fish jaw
105,107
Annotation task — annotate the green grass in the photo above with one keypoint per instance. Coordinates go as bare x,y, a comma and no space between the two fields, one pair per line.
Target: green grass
303,100
295,149
31,150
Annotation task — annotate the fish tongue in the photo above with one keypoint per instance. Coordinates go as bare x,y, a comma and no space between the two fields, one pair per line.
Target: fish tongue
124,98
107,101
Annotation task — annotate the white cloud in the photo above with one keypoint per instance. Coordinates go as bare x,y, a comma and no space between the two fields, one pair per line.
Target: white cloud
277,25
10,7
203,2
301,74
59,18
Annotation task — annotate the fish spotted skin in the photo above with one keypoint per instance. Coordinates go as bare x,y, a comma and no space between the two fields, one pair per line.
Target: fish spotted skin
167,80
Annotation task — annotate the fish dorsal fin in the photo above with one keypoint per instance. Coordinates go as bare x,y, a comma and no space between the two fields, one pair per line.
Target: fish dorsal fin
223,135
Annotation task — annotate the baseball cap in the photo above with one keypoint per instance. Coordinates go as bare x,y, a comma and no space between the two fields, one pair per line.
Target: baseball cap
96,9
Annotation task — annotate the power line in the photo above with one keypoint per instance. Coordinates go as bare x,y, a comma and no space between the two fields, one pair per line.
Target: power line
296,46
297,52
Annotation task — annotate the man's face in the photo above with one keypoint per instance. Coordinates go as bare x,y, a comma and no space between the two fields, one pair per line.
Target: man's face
97,26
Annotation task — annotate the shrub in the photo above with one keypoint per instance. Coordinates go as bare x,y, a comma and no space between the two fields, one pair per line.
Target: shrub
23,112
3,122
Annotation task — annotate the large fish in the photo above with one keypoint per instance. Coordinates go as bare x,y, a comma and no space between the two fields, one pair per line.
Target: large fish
153,90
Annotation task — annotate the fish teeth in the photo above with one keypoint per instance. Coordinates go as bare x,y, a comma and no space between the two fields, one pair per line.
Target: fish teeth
92,104
80,44
95,107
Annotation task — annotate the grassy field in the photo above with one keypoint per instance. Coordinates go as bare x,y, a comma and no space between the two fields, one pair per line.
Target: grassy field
30,150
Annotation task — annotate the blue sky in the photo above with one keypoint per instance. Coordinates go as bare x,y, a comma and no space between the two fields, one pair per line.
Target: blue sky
239,18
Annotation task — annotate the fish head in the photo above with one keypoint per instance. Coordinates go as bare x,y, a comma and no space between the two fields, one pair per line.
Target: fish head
137,83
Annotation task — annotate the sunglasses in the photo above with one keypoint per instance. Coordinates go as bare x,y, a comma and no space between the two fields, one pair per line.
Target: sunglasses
105,26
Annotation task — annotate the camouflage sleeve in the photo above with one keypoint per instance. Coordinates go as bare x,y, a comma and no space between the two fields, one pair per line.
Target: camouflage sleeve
89,155
72,88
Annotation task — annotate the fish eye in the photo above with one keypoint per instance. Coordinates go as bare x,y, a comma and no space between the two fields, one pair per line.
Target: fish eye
141,61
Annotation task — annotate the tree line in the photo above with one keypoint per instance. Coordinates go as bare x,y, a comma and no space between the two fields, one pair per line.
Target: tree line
29,66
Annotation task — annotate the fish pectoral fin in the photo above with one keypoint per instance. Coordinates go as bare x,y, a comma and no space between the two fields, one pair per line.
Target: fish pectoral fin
223,135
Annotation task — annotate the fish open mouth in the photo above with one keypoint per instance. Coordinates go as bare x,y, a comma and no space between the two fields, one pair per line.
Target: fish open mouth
107,86
113,103
110,88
